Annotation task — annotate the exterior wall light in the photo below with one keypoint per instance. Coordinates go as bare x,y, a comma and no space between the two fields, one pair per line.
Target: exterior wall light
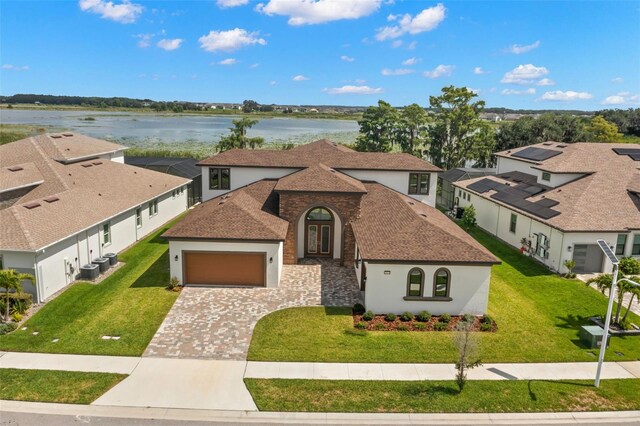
387,272
271,260
569,249
176,258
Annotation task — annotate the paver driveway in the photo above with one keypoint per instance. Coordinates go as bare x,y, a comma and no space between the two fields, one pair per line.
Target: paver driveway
217,323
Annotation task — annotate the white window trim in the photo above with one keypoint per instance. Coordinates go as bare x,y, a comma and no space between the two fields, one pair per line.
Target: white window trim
106,243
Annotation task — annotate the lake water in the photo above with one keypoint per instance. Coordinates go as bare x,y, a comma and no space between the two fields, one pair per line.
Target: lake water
149,128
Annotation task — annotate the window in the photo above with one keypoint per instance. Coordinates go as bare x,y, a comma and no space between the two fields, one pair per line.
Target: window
106,234
415,282
419,183
441,283
153,208
319,214
138,217
219,179
546,176
635,248
622,241
513,222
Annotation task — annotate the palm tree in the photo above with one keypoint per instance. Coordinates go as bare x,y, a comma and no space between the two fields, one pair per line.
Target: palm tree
11,280
603,282
635,293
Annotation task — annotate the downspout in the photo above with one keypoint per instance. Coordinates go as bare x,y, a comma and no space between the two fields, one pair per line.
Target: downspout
561,251
39,289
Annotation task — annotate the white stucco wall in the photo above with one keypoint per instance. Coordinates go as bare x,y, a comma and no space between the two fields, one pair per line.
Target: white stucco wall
398,181
22,262
272,249
556,179
337,235
117,156
241,176
48,264
469,289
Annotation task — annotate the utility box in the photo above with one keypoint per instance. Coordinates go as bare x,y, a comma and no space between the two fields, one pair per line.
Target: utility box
102,262
89,271
591,335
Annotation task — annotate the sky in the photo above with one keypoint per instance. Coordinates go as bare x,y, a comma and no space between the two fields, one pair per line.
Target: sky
514,54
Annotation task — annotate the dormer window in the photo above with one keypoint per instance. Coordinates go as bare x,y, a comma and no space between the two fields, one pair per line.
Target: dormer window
546,176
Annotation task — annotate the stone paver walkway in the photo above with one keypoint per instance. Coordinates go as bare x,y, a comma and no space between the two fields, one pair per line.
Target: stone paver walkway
217,323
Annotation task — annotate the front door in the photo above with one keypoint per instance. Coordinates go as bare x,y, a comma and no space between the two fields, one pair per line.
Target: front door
318,233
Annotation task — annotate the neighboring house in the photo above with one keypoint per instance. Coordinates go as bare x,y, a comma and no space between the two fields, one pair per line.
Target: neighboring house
446,198
560,198
370,211
183,167
66,199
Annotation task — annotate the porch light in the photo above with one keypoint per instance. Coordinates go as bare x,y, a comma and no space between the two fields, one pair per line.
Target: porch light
569,249
271,260
176,258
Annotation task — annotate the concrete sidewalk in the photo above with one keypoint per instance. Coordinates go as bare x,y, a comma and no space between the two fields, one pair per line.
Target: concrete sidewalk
416,372
88,363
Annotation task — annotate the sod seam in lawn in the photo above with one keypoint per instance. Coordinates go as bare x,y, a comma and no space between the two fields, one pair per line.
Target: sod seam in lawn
66,387
478,396
130,303
538,313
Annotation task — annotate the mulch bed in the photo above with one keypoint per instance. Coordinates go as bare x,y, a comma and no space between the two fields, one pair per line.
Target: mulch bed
378,323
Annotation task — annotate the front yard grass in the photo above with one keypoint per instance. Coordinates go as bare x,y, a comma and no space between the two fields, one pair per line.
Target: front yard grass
130,303
538,313
442,396
66,387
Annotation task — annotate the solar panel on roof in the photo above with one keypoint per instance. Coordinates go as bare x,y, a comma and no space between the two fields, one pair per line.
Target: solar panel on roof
547,202
633,153
607,251
536,154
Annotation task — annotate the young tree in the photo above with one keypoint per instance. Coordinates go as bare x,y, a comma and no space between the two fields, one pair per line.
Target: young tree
570,264
635,293
458,134
468,350
238,137
11,280
469,217
600,130
378,128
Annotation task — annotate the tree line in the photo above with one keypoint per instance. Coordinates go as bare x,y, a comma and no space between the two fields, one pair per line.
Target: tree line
450,132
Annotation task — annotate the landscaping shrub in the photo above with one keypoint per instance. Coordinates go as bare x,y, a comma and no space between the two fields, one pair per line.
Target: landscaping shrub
445,318
420,326
368,316
16,317
423,316
469,318
439,326
358,309
402,327
407,316
487,320
361,325
390,317
630,266
7,327
379,326
20,306
625,325
485,326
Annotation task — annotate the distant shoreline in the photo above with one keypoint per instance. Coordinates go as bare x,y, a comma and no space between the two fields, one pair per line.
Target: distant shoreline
215,112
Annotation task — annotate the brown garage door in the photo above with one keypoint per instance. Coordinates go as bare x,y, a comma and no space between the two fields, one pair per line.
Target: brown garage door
217,268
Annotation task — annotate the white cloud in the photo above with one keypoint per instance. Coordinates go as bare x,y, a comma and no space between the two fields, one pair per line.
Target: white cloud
231,3
256,65
412,45
530,91
124,13
546,82
440,71
15,67
399,71
170,43
426,20
228,61
622,98
479,71
617,80
144,40
300,77
396,43
569,95
518,49
411,61
273,82
229,40
353,90
360,81
476,91
524,74
347,58
307,12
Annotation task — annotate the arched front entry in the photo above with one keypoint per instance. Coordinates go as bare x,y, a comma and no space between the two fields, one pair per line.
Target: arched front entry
319,226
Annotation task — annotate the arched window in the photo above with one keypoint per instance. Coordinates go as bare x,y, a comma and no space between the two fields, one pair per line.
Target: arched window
319,214
415,283
441,283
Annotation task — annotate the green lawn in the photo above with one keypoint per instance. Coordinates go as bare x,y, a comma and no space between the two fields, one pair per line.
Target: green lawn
538,314
443,396
131,303
68,387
